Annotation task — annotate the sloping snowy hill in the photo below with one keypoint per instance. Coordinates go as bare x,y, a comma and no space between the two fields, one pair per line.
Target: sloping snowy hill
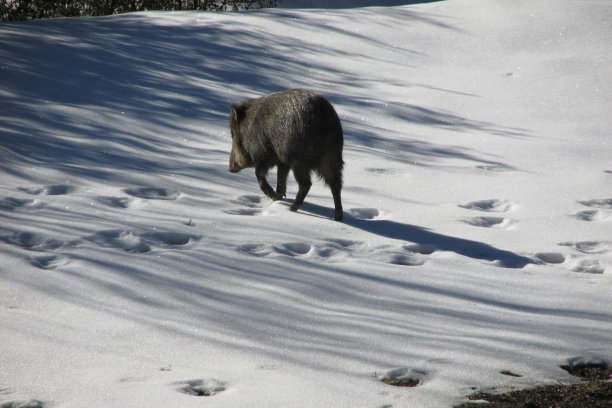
135,270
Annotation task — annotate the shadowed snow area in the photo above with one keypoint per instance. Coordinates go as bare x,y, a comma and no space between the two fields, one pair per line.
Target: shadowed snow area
135,270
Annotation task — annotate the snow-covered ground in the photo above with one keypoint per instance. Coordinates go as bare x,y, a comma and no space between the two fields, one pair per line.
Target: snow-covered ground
136,271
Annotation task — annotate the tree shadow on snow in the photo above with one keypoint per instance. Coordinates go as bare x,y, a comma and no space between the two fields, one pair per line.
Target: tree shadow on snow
346,4
428,238
124,83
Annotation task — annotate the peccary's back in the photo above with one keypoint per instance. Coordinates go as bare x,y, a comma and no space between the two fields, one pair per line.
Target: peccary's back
297,125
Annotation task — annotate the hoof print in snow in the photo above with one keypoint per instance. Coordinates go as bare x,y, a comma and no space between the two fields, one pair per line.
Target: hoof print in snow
404,377
56,189
124,240
142,243
115,202
13,204
406,255
551,257
398,257
31,241
202,388
339,250
288,249
252,205
152,193
175,240
244,211
406,260
48,262
602,203
588,266
364,213
488,205
255,249
486,222
293,249
588,247
251,201
23,404
588,215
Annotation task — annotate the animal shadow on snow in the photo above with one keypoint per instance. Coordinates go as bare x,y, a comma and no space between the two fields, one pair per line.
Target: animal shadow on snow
426,237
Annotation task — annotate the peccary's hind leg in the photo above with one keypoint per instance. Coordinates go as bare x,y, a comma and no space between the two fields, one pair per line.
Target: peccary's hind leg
332,174
335,189
335,184
303,179
281,180
260,173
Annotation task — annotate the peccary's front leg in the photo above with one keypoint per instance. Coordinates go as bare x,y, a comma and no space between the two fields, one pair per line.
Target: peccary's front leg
281,180
260,173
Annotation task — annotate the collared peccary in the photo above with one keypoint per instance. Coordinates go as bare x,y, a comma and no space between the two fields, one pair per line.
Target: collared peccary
295,129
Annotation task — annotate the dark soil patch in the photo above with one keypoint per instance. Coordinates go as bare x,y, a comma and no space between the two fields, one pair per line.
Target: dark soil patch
590,371
595,392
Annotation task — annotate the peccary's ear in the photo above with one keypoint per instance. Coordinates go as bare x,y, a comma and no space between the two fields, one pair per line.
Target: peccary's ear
237,112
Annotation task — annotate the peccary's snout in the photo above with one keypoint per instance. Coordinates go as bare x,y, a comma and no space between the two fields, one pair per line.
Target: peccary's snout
233,163
233,167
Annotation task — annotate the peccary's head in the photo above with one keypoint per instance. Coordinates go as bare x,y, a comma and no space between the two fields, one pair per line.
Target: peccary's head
239,158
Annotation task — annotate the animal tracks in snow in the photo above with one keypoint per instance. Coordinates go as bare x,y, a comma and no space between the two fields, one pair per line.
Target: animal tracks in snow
364,213
588,215
600,203
581,262
152,193
48,261
551,257
115,202
493,205
489,206
598,212
201,387
131,242
589,247
31,241
488,222
340,250
250,201
48,249
588,266
54,189
14,204
253,205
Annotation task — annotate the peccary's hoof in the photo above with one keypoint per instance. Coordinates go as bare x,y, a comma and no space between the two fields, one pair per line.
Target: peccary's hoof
338,217
292,208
